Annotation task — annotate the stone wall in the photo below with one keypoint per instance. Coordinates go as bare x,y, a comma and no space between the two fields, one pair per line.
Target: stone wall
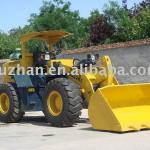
135,53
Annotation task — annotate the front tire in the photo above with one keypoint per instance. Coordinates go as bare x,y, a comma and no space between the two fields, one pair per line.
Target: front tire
10,111
62,102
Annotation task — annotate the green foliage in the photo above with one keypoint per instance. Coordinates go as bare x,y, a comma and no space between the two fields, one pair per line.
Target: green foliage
9,42
5,46
128,27
120,19
36,45
56,15
115,24
144,23
94,15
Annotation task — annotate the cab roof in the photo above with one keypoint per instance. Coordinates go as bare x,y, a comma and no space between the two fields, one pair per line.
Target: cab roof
51,36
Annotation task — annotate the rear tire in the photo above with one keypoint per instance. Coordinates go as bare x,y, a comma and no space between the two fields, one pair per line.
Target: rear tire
10,111
69,95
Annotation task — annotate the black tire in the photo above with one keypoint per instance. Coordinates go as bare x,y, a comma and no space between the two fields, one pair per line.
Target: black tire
14,113
72,102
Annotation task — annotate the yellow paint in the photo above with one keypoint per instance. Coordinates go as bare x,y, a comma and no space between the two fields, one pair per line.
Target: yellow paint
52,36
120,108
7,66
112,107
63,62
55,103
4,103
31,90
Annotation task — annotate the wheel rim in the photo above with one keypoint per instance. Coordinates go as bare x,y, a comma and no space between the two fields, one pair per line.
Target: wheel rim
55,103
4,103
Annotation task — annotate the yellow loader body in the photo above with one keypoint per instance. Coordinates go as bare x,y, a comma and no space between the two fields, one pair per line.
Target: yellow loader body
112,107
121,108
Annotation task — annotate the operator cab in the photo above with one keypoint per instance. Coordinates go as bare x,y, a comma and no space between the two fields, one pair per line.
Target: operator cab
41,58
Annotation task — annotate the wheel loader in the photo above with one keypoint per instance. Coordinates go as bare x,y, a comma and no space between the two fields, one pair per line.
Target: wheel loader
111,107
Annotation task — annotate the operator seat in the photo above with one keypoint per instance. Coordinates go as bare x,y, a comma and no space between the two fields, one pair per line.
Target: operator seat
38,59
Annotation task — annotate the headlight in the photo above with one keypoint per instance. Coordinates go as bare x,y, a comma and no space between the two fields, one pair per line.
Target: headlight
93,58
47,57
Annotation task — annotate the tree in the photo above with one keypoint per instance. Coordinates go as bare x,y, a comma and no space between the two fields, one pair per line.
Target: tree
138,8
115,24
56,15
9,42
6,45
126,27
144,23
100,30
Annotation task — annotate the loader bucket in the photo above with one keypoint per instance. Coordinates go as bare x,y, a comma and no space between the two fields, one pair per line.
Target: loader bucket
120,108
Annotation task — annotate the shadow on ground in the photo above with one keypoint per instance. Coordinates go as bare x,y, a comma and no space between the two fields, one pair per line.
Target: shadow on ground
113,132
41,121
